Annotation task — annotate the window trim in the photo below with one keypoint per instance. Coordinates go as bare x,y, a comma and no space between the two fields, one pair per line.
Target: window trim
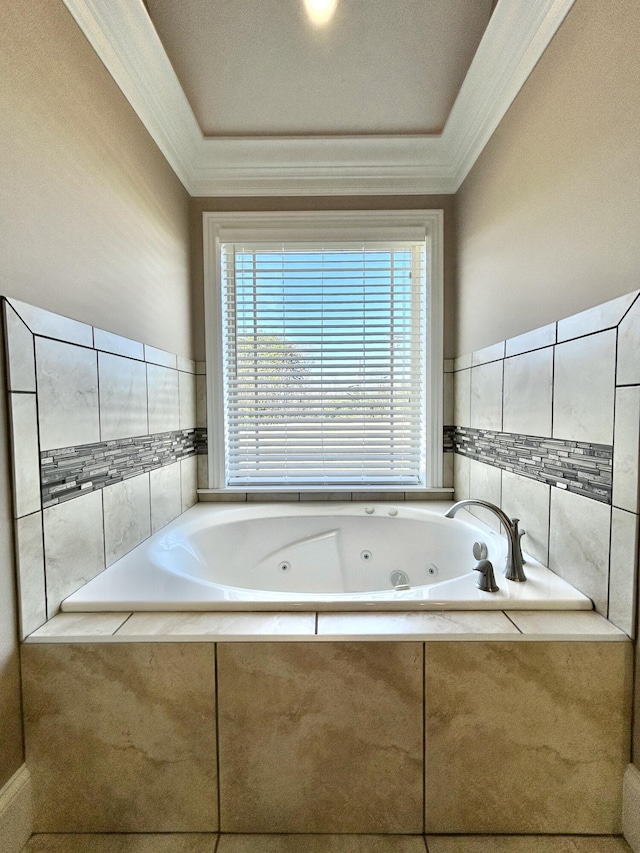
317,225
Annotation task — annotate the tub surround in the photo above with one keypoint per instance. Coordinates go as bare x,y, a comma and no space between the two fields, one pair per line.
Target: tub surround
548,427
460,626
286,731
104,443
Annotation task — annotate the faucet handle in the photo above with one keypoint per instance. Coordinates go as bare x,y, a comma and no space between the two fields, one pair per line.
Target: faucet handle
487,580
517,538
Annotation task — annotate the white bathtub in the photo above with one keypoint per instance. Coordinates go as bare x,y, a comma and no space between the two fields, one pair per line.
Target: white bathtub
320,556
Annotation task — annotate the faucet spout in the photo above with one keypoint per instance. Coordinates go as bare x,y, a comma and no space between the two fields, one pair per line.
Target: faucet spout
514,569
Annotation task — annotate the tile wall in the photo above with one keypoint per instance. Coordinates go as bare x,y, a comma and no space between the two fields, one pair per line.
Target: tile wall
104,445
547,425
158,734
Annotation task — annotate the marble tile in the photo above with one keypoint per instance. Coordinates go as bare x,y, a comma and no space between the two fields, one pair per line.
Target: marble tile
227,626
461,477
201,401
188,482
387,626
603,316
32,597
203,472
21,365
542,727
528,393
462,362
121,737
485,483
268,497
628,364
71,627
25,454
51,325
486,396
623,571
326,496
563,624
536,339
626,449
187,393
123,397
579,544
529,500
525,844
127,519
67,377
164,399
448,399
447,470
73,546
585,372
495,352
165,488
186,365
116,344
321,844
222,497
160,356
320,737
462,398
192,842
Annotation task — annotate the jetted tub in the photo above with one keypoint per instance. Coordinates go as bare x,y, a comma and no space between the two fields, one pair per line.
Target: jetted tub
320,556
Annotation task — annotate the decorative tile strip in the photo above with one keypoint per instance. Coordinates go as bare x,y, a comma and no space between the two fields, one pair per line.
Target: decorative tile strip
201,441
448,439
69,472
577,466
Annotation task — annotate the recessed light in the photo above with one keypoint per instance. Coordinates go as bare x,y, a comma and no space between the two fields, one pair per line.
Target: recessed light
320,11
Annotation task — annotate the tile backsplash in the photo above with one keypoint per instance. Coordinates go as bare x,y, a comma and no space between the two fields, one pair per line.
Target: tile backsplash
104,443
547,425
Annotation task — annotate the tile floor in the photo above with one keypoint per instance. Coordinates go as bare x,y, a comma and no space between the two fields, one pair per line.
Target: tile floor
212,843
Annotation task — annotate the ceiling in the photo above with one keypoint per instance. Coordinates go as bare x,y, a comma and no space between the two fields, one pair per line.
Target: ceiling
247,98
261,67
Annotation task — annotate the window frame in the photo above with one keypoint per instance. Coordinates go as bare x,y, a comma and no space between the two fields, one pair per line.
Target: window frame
313,226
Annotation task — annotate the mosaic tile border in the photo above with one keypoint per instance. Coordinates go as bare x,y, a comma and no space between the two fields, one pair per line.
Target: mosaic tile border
576,466
70,472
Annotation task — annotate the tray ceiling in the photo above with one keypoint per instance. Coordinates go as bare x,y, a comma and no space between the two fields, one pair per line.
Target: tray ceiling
261,67
245,97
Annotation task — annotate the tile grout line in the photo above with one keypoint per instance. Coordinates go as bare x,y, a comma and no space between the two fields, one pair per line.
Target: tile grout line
217,720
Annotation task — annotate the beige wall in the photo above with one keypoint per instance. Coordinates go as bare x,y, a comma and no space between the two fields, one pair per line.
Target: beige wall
548,216
433,202
93,224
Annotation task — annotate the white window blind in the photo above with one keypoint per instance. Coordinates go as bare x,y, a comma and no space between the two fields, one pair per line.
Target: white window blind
324,363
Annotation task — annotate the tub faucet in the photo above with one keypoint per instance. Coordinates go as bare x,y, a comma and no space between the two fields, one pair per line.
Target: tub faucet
514,570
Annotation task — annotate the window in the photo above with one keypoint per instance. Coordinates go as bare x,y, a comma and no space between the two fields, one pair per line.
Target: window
324,350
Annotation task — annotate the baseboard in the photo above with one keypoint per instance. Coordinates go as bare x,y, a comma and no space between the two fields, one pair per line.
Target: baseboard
16,812
631,808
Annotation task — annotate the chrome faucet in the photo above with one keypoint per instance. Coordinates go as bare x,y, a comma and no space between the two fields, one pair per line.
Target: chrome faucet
513,570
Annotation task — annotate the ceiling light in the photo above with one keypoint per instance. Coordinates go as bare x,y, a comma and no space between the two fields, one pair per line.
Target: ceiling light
320,11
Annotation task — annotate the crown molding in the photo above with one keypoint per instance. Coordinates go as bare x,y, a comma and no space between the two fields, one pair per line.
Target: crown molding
123,36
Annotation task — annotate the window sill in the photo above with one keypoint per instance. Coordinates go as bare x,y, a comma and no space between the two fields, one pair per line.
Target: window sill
325,494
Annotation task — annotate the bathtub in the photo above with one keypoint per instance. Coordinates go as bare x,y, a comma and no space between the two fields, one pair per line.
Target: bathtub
320,556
